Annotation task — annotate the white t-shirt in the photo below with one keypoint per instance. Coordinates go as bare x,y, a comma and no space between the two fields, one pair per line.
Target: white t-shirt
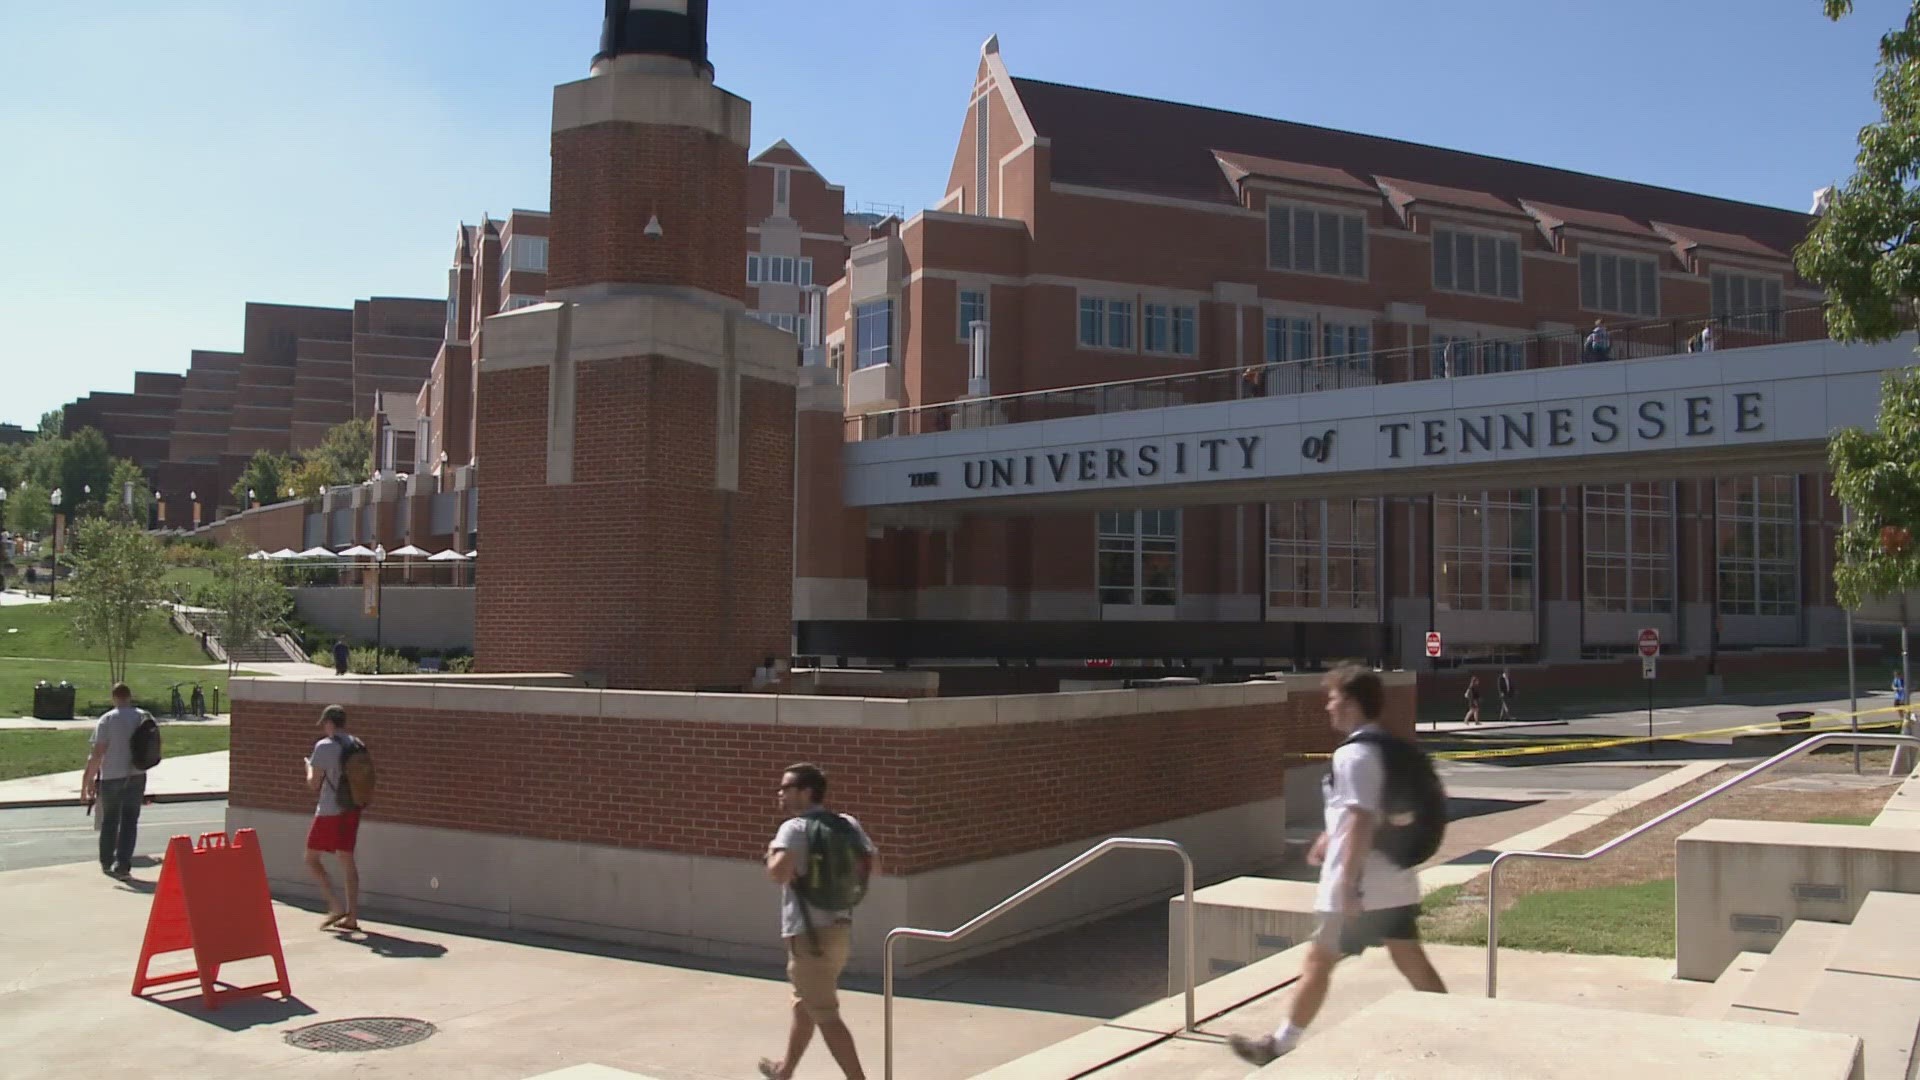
1358,779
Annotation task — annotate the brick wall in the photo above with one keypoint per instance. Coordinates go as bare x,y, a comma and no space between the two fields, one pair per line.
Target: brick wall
930,798
609,178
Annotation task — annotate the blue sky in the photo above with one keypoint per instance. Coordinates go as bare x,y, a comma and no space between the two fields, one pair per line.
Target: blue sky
162,164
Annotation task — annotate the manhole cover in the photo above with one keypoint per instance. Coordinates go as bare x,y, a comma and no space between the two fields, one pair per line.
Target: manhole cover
362,1033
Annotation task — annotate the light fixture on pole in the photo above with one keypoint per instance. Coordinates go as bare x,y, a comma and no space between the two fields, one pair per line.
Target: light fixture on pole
379,557
53,576
194,498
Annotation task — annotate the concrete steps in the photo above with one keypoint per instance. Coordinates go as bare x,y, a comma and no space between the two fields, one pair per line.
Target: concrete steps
1785,977
1728,987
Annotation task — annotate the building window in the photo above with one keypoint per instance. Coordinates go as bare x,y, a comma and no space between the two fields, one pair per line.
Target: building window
1484,264
1629,543
1759,550
1139,558
1454,355
1620,284
973,309
1106,323
1309,240
515,301
782,184
1323,553
1349,344
982,150
873,334
837,356
525,253
1747,301
1168,328
1484,545
1289,337
796,325
779,270
453,304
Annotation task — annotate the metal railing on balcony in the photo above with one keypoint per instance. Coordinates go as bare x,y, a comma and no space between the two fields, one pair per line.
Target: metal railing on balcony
1463,357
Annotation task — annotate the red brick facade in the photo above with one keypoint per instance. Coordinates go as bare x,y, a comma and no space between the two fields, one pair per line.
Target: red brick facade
930,798
610,178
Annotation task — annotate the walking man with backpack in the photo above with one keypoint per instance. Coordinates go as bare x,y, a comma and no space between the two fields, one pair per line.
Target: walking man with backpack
126,743
1385,815
822,861
341,771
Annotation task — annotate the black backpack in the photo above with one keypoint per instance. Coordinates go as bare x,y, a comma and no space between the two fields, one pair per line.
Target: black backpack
145,743
833,879
1416,803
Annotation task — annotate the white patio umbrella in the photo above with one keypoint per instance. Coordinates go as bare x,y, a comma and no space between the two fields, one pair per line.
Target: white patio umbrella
260,555
318,553
448,555
407,552
357,551
284,553
473,554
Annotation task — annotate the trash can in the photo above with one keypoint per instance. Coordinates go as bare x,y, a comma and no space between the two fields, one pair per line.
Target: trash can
52,702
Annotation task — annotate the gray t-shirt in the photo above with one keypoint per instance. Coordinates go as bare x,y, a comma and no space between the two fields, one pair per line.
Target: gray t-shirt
115,732
792,838
326,761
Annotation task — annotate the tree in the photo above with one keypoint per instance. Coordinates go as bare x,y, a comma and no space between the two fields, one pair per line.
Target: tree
348,448
1864,250
51,422
85,463
266,475
246,599
27,509
140,511
118,570
312,477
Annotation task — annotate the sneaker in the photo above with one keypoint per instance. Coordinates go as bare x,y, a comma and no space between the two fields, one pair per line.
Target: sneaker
1254,1051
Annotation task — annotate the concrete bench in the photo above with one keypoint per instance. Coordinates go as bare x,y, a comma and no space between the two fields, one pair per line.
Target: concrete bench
1740,884
1237,922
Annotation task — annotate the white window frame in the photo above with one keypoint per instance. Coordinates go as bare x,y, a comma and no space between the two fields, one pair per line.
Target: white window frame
1103,305
1320,212
1321,553
1628,504
765,269
1649,264
1474,511
1169,315
964,333
1131,538
516,301
514,257
1498,236
1756,567
859,352
1765,318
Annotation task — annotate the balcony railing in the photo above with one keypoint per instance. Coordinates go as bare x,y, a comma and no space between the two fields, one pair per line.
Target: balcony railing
1469,357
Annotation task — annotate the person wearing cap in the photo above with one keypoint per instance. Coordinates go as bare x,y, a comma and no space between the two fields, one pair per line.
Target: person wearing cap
335,829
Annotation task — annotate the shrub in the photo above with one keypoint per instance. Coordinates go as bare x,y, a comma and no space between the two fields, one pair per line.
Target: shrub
361,662
459,665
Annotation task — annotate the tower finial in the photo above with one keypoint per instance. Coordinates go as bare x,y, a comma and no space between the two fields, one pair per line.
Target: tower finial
671,28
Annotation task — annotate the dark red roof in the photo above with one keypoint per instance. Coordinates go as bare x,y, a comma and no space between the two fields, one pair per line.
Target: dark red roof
1272,169
1103,139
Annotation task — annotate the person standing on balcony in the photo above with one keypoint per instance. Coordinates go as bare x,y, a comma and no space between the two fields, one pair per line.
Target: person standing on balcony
1599,343
1707,338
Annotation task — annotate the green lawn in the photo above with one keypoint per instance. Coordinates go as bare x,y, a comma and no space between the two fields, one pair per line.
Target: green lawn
1613,920
149,682
46,631
183,580
1844,819
37,753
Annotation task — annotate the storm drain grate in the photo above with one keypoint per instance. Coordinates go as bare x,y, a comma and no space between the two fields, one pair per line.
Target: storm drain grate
360,1033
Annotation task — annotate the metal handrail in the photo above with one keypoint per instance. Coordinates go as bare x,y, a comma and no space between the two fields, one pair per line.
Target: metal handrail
1113,844
1493,870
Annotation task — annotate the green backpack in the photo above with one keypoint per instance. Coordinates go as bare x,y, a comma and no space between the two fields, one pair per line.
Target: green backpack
836,877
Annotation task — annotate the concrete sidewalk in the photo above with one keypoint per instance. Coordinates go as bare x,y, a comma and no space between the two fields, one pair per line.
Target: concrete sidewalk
505,1009
195,776
85,723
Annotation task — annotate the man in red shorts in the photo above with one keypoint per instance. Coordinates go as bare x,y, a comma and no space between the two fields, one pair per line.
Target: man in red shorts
335,829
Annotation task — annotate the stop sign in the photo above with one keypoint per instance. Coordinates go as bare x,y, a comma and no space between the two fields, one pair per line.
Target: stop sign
1649,642
1433,643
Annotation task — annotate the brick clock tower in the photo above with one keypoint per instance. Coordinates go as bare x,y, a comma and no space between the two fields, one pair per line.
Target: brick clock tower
637,430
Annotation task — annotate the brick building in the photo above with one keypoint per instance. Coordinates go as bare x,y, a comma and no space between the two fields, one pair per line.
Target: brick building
1208,240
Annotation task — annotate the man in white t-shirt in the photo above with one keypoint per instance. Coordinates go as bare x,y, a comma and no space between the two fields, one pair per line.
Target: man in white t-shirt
1365,899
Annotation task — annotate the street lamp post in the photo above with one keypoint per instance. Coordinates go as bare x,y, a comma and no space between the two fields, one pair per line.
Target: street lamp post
53,578
6,544
379,557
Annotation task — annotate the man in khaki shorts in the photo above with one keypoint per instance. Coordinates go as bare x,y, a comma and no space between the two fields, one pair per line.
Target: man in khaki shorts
817,939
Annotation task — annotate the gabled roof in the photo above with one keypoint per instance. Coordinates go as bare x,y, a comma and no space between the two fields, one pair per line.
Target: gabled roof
1687,237
1241,166
1102,139
783,153
1404,193
1553,217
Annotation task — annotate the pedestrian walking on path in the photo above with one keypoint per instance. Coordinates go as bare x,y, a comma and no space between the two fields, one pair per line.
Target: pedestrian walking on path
115,783
1473,700
822,861
336,818
1506,695
1366,898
